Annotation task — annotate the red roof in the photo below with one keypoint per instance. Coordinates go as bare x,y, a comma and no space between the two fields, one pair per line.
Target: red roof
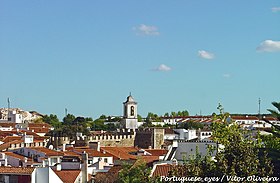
39,130
8,153
71,153
161,170
48,152
121,152
7,145
68,176
150,159
244,118
157,152
8,124
93,153
16,170
39,125
11,138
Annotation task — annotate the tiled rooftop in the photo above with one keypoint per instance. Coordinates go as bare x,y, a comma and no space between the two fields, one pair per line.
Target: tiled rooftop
16,170
121,152
161,170
157,152
68,176
47,151
93,153
8,153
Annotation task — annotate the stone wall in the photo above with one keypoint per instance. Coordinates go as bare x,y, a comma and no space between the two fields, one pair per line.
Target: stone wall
124,139
150,137
158,138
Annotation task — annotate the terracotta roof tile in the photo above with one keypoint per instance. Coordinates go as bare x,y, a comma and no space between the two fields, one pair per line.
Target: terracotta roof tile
39,125
93,153
47,151
121,152
11,138
157,152
8,125
244,118
39,130
16,170
161,170
150,159
71,153
7,145
68,176
8,153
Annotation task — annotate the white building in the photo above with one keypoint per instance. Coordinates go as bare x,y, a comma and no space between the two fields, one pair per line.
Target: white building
184,150
186,134
130,120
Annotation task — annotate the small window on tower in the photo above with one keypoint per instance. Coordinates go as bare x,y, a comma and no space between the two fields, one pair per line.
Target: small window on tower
132,111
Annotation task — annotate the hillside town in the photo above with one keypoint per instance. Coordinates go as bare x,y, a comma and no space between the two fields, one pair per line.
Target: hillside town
34,150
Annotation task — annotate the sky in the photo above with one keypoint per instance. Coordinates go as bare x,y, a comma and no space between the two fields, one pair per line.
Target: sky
87,56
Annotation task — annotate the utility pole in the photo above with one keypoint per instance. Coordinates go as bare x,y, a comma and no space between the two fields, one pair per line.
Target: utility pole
259,112
8,116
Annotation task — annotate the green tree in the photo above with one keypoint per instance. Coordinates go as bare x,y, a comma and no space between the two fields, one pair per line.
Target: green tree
52,120
240,155
185,113
179,113
139,117
151,117
173,114
191,125
275,113
166,114
68,119
135,173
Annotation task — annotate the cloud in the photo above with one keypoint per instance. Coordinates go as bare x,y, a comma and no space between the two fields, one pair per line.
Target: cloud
275,9
226,75
163,68
206,55
146,30
269,46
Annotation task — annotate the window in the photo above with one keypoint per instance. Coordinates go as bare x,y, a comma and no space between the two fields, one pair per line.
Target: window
132,111
106,160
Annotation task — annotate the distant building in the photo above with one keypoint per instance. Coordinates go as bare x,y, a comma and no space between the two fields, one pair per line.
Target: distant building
16,115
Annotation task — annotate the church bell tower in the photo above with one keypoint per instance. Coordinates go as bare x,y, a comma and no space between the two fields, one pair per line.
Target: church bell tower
130,120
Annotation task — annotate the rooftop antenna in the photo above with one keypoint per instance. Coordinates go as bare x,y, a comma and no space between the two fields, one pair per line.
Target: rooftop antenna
259,112
8,108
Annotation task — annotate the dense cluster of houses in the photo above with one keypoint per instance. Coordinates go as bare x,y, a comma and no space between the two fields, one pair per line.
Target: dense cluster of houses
28,155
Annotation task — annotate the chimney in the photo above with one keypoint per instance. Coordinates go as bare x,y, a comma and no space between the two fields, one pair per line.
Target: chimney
94,145
84,167
63,147
98,146
58,167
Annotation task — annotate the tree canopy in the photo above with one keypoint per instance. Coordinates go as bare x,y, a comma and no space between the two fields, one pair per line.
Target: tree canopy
239,157
135,173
